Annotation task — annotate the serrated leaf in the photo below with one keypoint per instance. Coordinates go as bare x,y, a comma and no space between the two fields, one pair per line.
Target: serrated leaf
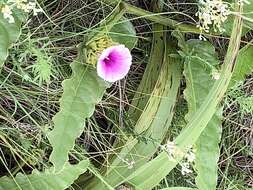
80,95
124,33
198,84
46,180
9,33
244,64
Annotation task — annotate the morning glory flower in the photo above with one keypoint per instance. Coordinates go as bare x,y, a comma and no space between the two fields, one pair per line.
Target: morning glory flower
114,63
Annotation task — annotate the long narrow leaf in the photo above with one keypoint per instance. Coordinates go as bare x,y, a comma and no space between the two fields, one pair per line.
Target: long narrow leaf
198,84
150,76
152,124
145,177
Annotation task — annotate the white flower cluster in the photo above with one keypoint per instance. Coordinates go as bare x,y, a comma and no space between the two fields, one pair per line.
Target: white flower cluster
170,148
189,158
215,74
23,5
174,151
212,13
130,163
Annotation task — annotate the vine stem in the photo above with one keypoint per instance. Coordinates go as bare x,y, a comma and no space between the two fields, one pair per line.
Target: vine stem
155,17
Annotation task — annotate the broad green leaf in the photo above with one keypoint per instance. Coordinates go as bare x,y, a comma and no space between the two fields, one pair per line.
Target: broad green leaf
198,84
244,64
80,95
106,25
9,33
124,33
150,174
120,29
46,180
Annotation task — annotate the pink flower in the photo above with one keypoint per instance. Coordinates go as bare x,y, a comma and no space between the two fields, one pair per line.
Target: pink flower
114,63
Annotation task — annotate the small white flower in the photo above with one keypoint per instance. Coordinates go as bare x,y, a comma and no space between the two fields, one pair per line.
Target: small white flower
7,13
24,5
131,164
36,11
215,75
170,148
201,37
185,168
212,13
190,156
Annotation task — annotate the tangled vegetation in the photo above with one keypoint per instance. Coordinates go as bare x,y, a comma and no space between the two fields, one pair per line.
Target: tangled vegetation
126,95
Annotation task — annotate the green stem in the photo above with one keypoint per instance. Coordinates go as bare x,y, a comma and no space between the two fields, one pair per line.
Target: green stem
157,18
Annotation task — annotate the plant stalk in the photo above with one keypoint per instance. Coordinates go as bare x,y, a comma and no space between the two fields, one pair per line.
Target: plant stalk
158,18
155,17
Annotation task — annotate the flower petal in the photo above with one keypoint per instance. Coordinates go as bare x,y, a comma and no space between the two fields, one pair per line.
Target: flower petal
114,63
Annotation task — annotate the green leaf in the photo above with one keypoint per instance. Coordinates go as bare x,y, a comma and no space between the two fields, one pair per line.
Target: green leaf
198,85
124,33
152,124
80,95
9,33
247,14
150,174
46,180
244,64
150,75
